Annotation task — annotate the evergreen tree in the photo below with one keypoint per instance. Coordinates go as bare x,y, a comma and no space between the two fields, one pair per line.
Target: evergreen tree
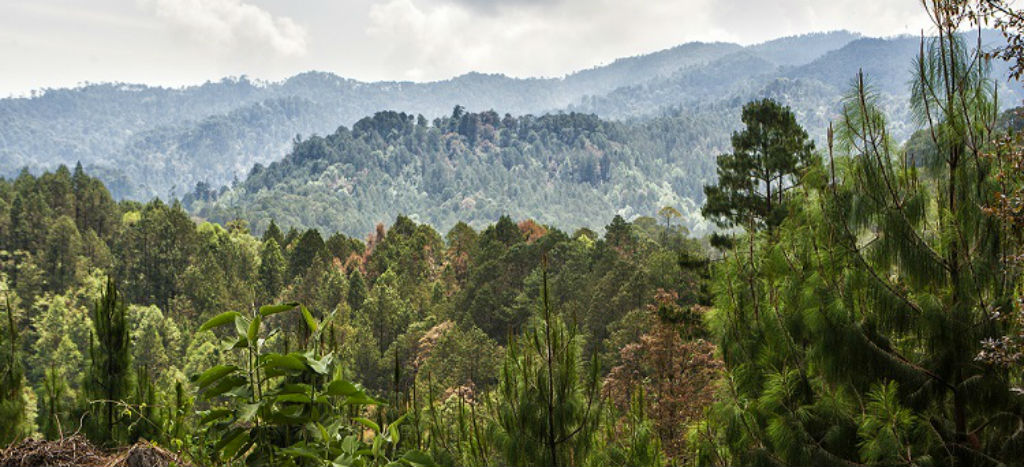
549,409
851,336
385,311
272,270
60,256
12,379
108,380
619,235
767,159
52,414
310,246
273,232
356,290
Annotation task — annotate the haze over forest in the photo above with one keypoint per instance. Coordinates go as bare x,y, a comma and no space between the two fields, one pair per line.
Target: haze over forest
806,250
146,142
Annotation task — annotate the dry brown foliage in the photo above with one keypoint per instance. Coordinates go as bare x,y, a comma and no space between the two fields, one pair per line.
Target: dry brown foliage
72,451
678,378
146,454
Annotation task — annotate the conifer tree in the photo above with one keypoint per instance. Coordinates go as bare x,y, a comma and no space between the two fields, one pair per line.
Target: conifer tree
108,380
12,379
309,248
356,290
273,232
767,159
851,336
550,409
272,269
52,409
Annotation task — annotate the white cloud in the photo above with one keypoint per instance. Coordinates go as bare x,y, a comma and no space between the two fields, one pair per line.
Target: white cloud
232,25
175,42
436,39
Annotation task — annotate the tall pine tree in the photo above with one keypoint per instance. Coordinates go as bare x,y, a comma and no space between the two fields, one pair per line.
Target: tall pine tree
550,410
851,336
108,380
272,270
12,379
768,157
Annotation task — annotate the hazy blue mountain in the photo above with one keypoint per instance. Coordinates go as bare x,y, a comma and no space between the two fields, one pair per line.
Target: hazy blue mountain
151,141
803,49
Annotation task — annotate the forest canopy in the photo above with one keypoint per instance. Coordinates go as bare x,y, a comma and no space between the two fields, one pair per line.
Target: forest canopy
862,302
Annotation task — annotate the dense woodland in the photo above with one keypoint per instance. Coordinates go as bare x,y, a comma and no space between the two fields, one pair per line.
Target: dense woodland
147,141
573,169
860,302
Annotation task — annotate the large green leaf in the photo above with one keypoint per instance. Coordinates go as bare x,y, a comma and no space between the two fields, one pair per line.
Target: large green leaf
242,326
224,385
214,415
213,374
298,398
231,443
417,458
340,387
361,399
248,411
310,321
393,431
254,328
320,365
283,362
227,317
367,423
268,310
301,449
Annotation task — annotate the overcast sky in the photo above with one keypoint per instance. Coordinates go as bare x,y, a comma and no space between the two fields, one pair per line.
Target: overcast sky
52,43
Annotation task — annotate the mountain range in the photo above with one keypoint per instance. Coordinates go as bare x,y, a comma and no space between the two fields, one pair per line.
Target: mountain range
146,142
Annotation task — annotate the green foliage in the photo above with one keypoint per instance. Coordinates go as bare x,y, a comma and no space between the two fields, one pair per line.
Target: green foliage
12,379
768,158
851,334
385,312
387,165
61,344
290,409
108,379
633,443
303,254
356,290
416,318
550,408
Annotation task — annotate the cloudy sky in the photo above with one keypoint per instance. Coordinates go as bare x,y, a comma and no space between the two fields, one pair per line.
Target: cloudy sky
52,43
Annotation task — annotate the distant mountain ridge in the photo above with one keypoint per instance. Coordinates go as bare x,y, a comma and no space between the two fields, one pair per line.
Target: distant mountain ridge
150,141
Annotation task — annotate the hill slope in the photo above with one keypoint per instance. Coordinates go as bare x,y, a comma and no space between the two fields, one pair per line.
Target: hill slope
566,170
149,141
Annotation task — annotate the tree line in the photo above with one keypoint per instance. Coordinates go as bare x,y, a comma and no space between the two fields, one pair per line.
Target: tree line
860,305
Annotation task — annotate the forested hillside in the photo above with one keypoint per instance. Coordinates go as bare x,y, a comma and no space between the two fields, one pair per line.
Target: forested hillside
144,141
383,296
415,317
567,170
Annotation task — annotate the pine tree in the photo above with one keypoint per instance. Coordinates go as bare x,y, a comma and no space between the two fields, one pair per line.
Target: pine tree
12,380
272,269
52,412
851,336
310,246
273,232
108,380
550,409
356,290
767,159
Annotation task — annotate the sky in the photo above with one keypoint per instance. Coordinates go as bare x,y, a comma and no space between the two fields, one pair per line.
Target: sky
61,43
